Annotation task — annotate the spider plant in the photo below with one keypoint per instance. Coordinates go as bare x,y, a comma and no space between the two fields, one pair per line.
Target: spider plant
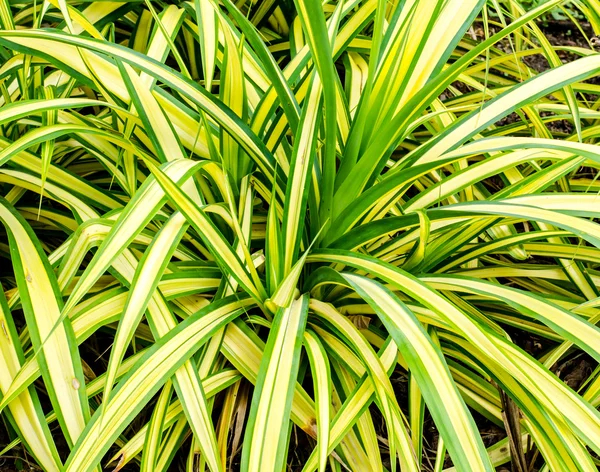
240,236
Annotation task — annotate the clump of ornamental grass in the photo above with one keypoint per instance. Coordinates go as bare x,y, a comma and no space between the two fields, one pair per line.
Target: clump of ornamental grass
230,230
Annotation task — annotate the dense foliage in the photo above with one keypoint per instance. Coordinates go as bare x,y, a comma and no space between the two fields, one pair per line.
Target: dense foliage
354,235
